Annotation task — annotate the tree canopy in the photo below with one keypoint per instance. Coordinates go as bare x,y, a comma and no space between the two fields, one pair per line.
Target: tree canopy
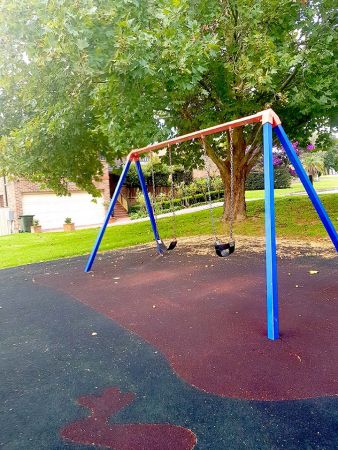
85,79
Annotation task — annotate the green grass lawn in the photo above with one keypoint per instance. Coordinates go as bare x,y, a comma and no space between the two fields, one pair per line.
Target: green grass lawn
295,217
325,183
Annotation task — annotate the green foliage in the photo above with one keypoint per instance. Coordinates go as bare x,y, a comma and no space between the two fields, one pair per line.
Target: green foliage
199,186
331,158
217,184
49,130
162,205
161,174
313,162
132,177
282,179
157,166
141,204
254,181
101,78
182,176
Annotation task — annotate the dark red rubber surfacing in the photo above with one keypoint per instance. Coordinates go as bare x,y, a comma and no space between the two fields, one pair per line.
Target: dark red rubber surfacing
208,318
95,429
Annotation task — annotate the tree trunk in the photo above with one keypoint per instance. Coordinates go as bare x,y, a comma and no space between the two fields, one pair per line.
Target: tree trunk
239,212
240,171
239,174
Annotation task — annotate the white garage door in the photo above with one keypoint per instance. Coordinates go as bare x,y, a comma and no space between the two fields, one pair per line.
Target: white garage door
52,210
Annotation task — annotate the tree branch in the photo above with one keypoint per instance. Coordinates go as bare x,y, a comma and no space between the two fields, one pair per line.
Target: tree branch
216,100
289,79
251,153
213,156
284,85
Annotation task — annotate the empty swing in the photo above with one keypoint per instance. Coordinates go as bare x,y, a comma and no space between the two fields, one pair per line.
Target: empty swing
161,247
221,249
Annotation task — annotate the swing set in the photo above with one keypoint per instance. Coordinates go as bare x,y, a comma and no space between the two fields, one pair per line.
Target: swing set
270,122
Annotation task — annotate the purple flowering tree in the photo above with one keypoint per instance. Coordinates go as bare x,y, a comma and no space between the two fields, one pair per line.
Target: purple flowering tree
280,158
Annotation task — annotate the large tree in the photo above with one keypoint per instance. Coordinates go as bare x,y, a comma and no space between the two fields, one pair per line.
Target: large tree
90,78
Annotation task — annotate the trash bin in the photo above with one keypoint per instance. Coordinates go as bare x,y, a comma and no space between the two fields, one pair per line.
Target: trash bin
26,222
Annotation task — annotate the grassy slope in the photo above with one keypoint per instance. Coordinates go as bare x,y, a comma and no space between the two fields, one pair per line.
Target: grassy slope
325,183
295,217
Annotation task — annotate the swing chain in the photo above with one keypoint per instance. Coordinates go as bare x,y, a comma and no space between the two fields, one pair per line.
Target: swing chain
231,131
172,194
207,167
154,187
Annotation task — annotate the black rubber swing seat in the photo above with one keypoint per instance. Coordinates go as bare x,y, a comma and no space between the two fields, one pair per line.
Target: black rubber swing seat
223,250
172,245
162,248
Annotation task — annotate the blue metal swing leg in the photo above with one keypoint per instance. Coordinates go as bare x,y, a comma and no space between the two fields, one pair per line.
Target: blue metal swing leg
270,235
284,140
113,201
148,204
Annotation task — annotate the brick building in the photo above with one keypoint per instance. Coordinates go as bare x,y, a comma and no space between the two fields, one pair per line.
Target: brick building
23,197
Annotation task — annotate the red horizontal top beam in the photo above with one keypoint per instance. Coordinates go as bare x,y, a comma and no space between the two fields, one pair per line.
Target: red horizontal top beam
263,116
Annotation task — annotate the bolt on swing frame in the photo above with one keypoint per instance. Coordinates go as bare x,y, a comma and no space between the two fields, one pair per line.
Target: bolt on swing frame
270,122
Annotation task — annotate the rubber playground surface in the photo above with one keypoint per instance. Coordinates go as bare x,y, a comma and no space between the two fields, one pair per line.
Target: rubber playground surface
168,353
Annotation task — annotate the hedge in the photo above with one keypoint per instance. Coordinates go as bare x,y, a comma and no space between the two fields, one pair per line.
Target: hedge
255,180
282,178
184,201
161,175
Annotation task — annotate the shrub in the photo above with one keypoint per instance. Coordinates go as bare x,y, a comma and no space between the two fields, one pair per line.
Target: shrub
137,211
282,179
132,177
161,179
217,184
254,181
182,176
331,158
141,203
161,174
